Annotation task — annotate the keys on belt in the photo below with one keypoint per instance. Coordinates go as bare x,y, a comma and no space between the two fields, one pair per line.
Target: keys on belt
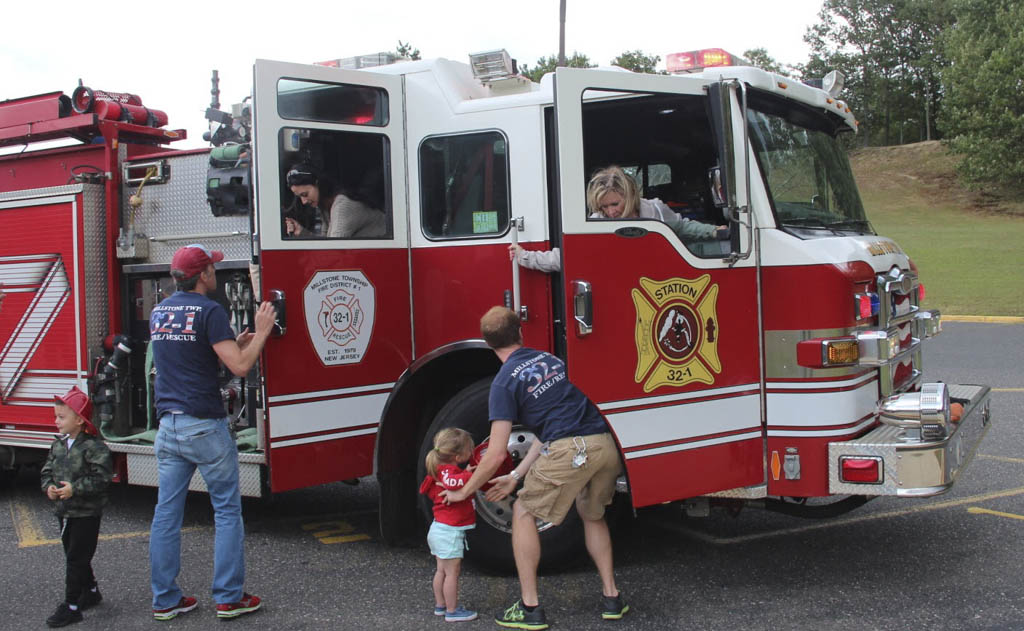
580,457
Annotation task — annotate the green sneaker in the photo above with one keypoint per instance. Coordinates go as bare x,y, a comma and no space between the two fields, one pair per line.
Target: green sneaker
515,617
613,607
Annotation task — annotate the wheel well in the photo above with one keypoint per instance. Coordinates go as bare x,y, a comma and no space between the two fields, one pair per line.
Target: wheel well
418,397
420,393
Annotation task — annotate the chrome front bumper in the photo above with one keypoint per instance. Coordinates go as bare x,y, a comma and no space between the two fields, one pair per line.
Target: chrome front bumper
916,468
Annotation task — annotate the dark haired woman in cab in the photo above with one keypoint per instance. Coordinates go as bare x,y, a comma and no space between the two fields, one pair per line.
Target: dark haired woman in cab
347,214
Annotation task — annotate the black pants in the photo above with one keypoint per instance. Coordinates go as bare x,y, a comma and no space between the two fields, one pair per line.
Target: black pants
79,535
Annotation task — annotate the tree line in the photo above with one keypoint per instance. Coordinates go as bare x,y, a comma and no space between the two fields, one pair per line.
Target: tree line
950,70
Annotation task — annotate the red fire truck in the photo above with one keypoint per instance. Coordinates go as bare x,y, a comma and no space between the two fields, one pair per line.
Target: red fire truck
780,364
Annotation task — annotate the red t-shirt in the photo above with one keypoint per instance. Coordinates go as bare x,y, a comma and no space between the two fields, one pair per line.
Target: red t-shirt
450,477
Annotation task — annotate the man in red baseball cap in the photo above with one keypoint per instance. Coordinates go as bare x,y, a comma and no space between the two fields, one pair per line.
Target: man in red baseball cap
189,334
75,477
192,259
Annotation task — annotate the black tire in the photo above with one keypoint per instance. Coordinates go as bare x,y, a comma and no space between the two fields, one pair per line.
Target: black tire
490,543
8,476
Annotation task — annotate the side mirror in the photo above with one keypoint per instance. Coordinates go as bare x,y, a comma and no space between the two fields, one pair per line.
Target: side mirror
720,103
718,193
715,184
730,182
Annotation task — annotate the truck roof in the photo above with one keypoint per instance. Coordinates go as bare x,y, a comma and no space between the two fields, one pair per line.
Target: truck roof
465,93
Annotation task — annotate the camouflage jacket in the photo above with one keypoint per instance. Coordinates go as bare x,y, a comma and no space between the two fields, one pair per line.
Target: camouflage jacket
89,468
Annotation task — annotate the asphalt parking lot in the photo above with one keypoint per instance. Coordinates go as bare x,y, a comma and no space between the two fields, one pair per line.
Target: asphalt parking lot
949,562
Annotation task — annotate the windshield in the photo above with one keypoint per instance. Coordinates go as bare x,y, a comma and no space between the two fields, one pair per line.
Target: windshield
806,172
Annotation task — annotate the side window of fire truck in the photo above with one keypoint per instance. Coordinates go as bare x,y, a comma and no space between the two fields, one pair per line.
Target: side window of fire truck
332,102
464,188
334,184
654,180
665,142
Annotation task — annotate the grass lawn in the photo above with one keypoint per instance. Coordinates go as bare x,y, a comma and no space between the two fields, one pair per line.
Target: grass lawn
970,254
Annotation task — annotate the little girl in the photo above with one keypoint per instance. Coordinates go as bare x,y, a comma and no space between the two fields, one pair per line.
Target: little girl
447,536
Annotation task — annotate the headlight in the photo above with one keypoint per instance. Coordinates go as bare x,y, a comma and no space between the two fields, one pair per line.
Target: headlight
877,347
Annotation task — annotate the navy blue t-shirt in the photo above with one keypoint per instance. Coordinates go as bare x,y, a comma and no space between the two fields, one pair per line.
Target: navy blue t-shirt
533,389
183,329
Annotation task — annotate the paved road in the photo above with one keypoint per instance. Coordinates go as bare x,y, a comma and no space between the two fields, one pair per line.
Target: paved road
951,562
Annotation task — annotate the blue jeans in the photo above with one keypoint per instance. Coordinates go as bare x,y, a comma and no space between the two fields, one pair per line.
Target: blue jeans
184,443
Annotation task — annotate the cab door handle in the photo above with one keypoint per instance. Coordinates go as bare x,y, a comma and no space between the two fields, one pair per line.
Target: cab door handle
583,307
281,319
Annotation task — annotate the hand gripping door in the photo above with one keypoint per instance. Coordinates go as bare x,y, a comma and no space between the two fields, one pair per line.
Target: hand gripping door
665,338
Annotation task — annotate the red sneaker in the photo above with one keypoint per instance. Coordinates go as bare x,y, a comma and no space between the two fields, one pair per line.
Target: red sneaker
248,604
186,604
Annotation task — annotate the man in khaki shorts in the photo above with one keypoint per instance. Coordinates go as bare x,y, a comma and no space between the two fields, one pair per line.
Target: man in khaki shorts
574,459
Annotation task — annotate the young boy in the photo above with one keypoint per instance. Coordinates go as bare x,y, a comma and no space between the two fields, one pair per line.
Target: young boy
75,476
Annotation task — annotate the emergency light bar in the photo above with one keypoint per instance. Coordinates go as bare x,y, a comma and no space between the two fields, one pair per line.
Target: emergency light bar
697,60
866,305
360,61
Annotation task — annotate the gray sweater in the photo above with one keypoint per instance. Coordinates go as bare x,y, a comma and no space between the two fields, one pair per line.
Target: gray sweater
350,218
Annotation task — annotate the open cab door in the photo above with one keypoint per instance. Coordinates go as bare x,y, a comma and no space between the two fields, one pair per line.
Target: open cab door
663,333
333,248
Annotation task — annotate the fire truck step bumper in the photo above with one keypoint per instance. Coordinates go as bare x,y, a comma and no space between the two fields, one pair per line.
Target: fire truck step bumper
909,468
142,470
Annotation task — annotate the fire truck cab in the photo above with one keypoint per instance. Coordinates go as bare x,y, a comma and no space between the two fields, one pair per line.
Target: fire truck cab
376,208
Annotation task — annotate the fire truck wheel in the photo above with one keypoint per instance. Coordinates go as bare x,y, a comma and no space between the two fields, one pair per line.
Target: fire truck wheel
8,476
490,543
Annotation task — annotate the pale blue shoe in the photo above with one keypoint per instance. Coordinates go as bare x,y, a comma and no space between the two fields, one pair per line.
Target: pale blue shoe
461,614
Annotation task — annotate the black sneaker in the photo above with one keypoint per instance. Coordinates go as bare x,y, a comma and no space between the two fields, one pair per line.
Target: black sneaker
89,598
515,617
64,616
613,607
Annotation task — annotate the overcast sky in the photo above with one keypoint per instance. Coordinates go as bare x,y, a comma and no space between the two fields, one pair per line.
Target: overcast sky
164,52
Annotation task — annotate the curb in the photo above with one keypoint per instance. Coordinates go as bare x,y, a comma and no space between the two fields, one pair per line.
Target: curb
989,319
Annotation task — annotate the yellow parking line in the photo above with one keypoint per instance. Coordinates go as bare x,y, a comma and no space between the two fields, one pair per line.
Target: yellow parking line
111,537
336,532
1002,458
991,319
344,539
25,527
844,522
339,528
320,534
976,510
30,535
1007,389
